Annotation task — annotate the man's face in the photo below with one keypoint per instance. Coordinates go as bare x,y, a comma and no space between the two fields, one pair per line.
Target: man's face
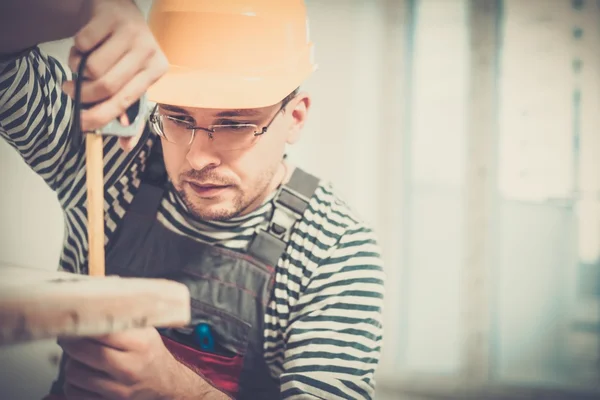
217,183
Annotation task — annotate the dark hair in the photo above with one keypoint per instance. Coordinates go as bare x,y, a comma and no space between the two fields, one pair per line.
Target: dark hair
290,96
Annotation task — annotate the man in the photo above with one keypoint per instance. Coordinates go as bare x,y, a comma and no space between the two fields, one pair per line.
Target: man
286,281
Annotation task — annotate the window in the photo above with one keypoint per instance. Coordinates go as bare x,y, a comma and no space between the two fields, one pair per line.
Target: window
500,263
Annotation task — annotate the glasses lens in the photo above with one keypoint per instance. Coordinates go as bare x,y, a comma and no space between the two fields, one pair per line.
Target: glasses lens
234,137
175,130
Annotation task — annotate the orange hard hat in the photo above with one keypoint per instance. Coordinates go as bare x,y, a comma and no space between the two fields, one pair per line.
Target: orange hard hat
230,54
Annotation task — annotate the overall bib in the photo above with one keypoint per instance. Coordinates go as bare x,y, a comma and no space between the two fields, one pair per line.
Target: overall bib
229,290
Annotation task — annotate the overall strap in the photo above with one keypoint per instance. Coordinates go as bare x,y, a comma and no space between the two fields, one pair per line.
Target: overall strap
154,178
289,205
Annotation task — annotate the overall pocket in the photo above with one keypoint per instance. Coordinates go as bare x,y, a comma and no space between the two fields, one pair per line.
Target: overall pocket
216,352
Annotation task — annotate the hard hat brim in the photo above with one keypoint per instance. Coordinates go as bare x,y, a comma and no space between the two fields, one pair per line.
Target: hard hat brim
198,89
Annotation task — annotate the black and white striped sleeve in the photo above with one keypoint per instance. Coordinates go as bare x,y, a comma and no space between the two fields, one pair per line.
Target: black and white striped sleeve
333,341
35,115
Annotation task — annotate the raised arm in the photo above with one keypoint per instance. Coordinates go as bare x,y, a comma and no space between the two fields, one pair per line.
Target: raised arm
36,90
52,20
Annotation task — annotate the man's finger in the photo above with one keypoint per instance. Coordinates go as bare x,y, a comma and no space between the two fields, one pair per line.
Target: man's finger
76,393
101,114
103,58
93,354
129,143
130,340
97,30
84,378
115,78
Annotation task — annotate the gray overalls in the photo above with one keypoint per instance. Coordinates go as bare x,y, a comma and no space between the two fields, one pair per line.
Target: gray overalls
230,290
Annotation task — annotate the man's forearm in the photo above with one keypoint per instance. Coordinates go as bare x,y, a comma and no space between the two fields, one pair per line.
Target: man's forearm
195,387
25,23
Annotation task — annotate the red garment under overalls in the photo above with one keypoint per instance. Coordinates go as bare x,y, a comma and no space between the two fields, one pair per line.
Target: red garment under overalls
229,290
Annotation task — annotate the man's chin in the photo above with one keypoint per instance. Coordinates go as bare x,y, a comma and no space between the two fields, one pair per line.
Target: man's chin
214,214
218,208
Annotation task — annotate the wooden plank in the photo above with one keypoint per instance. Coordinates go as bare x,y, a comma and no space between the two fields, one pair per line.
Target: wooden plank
37,304
95,205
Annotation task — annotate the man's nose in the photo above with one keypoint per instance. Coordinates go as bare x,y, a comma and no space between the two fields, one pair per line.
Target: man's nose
202,153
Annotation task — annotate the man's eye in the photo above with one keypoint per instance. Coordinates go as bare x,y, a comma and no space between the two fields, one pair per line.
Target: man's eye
181,121
238,127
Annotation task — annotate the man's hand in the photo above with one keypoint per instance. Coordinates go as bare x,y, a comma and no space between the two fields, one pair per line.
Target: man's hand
125,61
129,365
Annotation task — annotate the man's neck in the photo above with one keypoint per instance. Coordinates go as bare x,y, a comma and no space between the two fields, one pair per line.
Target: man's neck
281,177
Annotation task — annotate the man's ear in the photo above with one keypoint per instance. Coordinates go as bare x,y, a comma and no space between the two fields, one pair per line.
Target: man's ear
299,112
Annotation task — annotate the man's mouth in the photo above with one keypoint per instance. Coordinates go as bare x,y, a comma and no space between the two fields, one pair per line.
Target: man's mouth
207,190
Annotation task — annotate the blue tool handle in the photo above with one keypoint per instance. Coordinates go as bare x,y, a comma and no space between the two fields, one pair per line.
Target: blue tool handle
204,337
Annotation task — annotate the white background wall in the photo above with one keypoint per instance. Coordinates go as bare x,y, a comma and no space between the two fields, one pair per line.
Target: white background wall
393,140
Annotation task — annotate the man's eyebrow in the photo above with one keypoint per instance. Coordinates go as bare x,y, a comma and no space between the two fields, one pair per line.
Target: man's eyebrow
242,112
174,109
249,112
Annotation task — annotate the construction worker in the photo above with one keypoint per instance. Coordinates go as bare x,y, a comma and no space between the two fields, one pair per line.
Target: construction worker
286,280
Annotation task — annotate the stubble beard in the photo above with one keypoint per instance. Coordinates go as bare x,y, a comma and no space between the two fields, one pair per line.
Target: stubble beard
241,203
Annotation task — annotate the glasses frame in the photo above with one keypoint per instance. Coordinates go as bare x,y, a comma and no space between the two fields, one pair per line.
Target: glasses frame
210,130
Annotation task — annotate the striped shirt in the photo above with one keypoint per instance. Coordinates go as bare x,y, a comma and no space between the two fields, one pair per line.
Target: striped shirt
323,327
